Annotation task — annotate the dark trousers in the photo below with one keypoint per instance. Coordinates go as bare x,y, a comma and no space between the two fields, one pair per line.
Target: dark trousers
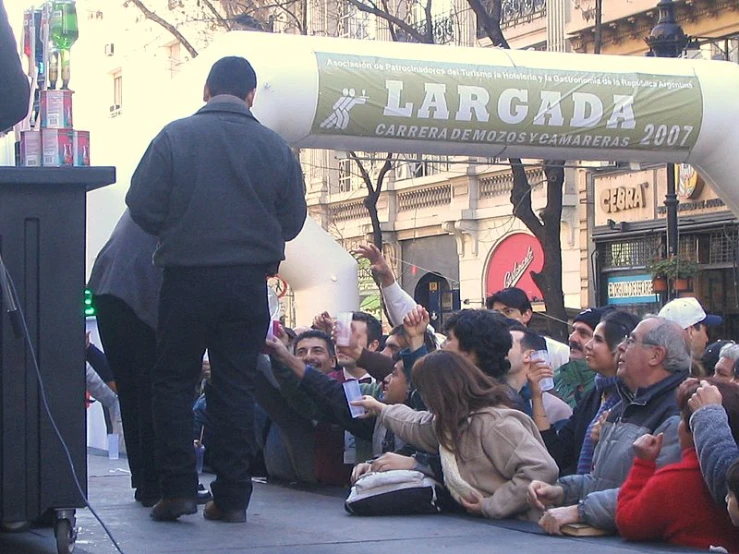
223,309
130,347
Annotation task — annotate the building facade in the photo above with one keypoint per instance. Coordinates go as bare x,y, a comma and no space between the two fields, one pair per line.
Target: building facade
446,222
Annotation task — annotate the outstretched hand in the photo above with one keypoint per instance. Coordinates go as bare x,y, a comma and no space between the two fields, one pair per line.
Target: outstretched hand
378,264
323,322
416,321
371,405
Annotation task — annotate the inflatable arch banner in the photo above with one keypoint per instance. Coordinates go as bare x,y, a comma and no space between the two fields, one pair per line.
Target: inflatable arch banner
344,94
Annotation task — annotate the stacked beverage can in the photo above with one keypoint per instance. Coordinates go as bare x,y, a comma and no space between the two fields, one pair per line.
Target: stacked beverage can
57,144
31,153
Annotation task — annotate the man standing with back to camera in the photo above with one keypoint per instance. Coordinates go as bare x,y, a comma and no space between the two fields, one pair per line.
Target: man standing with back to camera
222,193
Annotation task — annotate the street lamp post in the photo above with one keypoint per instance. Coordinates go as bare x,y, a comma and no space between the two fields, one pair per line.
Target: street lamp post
668,40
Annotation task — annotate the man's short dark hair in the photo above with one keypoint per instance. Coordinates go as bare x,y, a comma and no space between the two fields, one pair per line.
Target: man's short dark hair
532,341
513,297
374,327
316,334
484,334
232,75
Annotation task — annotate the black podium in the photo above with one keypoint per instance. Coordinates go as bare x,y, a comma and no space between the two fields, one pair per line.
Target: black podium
42,243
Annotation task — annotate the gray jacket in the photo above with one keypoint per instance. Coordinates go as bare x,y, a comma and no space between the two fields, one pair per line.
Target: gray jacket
651,410
124,269
716,447
218,189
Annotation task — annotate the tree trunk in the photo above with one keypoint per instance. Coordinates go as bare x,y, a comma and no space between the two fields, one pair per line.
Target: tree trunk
547,231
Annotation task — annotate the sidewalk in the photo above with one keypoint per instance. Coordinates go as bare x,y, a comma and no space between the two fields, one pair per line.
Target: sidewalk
288,520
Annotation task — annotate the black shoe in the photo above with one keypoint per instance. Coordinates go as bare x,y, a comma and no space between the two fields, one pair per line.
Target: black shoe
203,494
169,509
149,501
147,497
214,513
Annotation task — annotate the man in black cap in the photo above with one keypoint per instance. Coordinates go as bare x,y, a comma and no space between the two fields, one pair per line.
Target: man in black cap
574,379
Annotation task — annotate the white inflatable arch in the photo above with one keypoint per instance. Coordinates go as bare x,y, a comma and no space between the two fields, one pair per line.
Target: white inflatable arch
382,96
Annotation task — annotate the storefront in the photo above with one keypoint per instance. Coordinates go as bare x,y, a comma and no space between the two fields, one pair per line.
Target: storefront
629,230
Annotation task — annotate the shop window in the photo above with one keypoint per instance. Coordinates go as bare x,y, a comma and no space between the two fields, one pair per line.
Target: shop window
630,253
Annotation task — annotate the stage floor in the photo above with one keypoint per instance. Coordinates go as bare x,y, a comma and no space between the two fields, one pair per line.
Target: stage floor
291,520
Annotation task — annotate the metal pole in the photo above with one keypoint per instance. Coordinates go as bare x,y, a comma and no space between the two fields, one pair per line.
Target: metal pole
598,38
668,40
671,203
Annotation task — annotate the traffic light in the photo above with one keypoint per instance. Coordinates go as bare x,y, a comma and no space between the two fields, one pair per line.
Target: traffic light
89,308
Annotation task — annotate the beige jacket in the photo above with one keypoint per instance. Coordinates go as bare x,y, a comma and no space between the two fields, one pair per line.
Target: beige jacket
502,452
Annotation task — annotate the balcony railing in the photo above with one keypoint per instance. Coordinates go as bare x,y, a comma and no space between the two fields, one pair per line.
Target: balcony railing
445,29
516,12
429,197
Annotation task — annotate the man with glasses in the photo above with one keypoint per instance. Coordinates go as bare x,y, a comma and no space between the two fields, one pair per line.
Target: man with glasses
654,360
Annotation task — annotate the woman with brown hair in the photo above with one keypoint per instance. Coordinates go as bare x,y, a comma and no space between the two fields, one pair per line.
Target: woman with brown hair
489,451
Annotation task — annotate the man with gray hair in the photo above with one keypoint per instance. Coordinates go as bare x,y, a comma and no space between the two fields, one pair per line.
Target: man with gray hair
654,360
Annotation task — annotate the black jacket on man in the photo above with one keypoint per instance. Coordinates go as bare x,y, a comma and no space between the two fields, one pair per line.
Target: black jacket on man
15,95
230,202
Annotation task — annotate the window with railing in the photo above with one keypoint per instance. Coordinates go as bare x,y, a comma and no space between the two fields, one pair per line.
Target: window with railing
723,246
353,23
515,12
350,176
414,166
117,105
632,253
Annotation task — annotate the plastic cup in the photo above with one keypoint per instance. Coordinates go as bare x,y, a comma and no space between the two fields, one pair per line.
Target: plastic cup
344,328
273,329
352,392
199,457
547,383
113,446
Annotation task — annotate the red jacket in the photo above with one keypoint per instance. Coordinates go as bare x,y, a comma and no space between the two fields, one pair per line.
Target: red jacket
673,504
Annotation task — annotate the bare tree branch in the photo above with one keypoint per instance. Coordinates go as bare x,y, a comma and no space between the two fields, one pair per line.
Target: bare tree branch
227,24
168,26
299,22
490,20
390,18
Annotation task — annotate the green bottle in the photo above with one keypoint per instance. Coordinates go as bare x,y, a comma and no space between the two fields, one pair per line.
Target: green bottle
63,32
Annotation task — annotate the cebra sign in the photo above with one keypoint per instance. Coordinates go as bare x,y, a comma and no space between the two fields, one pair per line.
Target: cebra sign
489,104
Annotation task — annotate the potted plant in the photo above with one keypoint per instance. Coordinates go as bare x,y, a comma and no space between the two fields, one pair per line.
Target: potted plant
675,269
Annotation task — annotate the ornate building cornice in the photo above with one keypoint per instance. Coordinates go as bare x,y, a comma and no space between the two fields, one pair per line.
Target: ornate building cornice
639,25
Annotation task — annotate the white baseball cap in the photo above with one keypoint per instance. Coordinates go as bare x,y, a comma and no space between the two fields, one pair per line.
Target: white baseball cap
687,312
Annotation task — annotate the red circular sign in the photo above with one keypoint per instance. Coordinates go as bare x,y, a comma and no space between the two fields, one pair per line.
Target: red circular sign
511,264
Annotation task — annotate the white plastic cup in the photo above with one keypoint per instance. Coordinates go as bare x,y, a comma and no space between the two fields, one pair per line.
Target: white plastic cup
113,446
271,330
547,383
352,392
344,328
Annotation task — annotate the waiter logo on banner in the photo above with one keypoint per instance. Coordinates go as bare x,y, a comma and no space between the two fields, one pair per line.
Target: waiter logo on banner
511,264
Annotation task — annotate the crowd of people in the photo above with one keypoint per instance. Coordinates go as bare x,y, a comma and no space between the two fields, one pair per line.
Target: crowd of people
638,434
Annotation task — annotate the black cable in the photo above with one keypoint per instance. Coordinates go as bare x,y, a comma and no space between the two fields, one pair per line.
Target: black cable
8,281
